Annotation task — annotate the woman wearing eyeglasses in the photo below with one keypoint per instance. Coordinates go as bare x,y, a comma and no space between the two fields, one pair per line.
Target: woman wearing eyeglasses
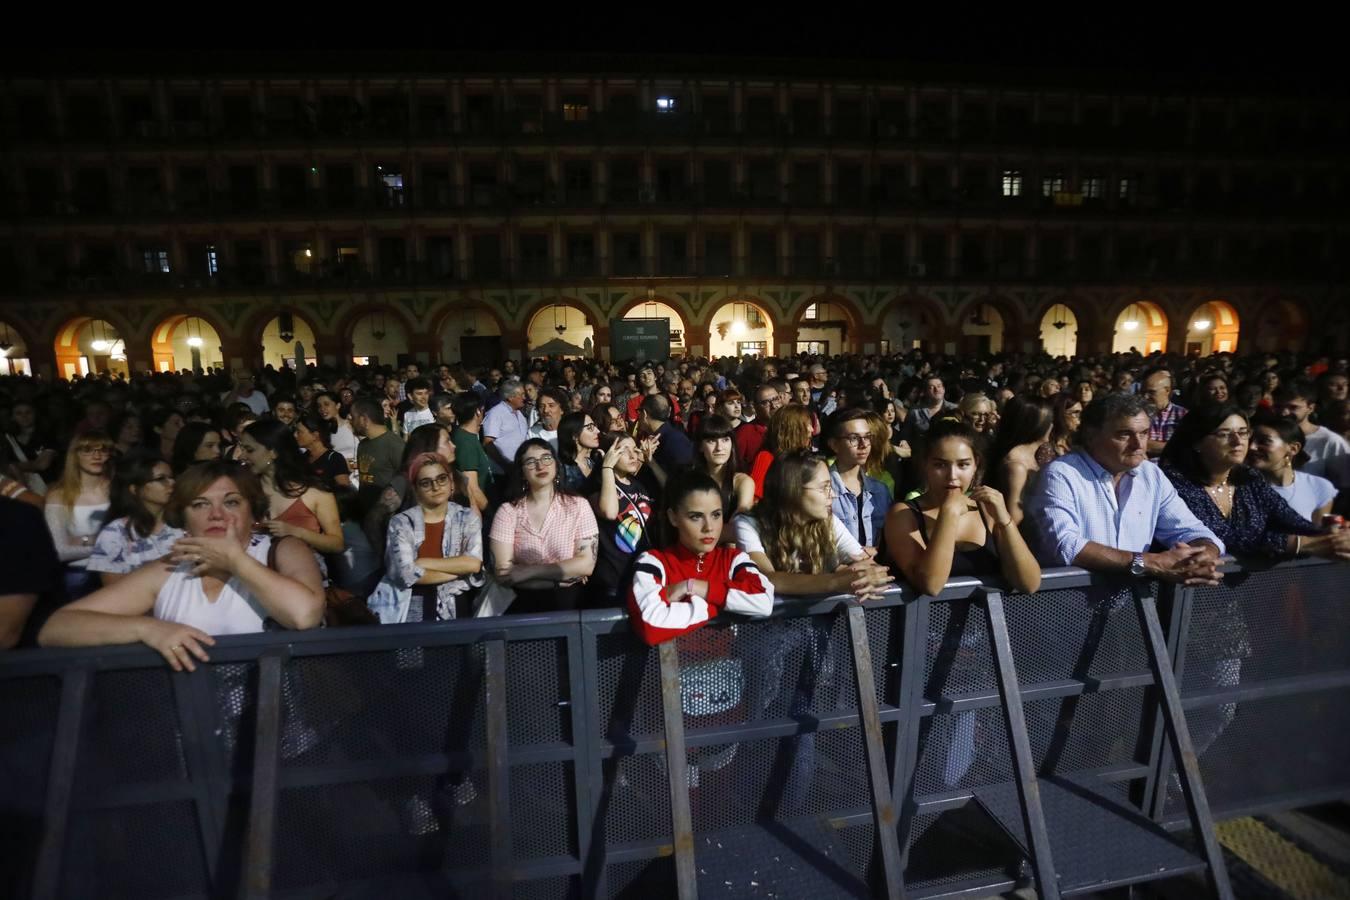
137,534
77,507
434,551
579,449
544,542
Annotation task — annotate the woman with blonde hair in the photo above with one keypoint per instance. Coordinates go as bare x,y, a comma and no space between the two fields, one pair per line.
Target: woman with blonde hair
979,412
77,506
790,430
795,538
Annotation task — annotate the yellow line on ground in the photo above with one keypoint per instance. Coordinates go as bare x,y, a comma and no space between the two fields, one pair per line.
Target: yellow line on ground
1281,862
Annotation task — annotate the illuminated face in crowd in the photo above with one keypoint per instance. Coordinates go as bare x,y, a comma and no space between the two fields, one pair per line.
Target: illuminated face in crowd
716,450
1121,444
801,392
951,465
853,445
698,521
219,509
284,410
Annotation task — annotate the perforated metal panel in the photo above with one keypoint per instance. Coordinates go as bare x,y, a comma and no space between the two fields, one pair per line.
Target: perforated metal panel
28,707
960,844
542,795
1267,748
634,802
628,688
132,733
537,692
152,850
647,879
1282,623
234,687
560,888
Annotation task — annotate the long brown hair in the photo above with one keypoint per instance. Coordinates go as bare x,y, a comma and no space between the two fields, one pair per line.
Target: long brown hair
68,487
789,430
793,541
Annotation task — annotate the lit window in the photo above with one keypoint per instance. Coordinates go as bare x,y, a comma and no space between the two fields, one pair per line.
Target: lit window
157,262
751,348
576,111
1092,187
811,313
1012,182
212,263
665,104
1127,187
1052,184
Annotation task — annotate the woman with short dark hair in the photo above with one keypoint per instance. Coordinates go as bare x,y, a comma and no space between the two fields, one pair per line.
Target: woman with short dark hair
137,534
195,442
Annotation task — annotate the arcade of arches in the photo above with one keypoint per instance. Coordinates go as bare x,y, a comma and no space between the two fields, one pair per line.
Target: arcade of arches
85,345
280,337
560,329
655,309
185,342
1141,326
1059,331
1213,328
742,328
377,339
14,358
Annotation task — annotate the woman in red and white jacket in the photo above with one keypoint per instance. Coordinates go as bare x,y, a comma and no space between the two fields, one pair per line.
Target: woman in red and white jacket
687,583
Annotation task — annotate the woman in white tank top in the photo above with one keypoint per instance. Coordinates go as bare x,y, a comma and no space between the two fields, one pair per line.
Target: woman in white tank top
220,579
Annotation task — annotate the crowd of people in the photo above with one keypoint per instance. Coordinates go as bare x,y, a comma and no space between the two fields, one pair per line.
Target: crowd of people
172,508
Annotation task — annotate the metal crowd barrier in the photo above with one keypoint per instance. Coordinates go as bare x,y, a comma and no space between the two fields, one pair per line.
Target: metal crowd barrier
833,749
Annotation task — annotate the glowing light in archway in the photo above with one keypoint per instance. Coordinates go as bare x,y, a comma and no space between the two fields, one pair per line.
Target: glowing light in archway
1059,331
560,330
1213,328
741,328
1140,326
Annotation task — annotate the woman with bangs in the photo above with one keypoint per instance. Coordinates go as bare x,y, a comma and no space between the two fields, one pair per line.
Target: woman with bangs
715,454
220,579
77,506
795,538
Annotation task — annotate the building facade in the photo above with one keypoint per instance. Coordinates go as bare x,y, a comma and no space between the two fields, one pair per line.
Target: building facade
161,222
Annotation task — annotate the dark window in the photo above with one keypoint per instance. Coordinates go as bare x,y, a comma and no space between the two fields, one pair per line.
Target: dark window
99,260
480,113
249,264
393,258
936,183
529,111
934,119
243,187
433,117
717,254
672,254
763,253
806,254
625,181
848,184
440,253
806,116
41,190
51,265
339,115
975,185
189,117
535,261
86,116
138,117
286,116
717,114
580,255
202,262
670,182
143,193
292,189
92,193
487,256
893,183
892,119
933,255
850,254
760,116
974,120
892,257
762,178
483,188
194,188
717,183
1012,255
1090,254
34,117
626,250
389,114
577,182
848,118
437,190
531,185
622,110
806,183
236,115
974,255
1052,255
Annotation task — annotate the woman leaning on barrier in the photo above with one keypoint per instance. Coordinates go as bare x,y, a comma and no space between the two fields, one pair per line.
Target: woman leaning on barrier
690,580
543,543
957,526
797,541
221,579
434,552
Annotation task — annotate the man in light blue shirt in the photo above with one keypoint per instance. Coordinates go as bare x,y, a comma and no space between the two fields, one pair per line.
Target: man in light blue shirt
1101,508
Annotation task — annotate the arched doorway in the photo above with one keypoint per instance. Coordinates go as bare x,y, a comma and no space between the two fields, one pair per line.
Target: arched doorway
983,330
1141,326
741,328
14,358
909,326
185,342
655,309
560,329
826,328
379,338
1213,328
1059,331
1282,325
280,337
90,345
471,336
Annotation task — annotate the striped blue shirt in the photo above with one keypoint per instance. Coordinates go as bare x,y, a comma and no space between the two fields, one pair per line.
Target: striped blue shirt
1074,503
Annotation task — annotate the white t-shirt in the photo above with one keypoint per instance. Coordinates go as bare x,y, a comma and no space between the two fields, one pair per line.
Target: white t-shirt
256,401
415,417
1307,493
1324,443
537,430
747,538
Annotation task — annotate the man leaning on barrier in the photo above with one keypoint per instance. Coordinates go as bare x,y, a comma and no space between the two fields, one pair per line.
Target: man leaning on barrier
1102,508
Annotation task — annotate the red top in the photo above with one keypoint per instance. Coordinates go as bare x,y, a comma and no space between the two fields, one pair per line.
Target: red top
749,441
734,583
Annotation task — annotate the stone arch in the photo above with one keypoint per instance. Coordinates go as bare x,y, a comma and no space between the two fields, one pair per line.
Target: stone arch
659,306
17,348
1280,324
1212,327
581,327
911,318
1147,335
470,332
840,323
989,324
1062,327
756,333
75,350
265,349
387,348
169,352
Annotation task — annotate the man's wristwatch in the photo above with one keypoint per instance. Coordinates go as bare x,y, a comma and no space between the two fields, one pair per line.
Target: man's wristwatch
1137,565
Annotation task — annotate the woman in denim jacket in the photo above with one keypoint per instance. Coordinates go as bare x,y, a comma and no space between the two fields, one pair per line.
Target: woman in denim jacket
434,551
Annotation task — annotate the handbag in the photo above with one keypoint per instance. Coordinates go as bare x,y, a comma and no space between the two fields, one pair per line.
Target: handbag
341,607
494,599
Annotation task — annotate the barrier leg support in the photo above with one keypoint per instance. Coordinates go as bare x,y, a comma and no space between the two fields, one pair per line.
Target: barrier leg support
1014,719
499,790
61,783
262,819
682,819
1179,738
883,809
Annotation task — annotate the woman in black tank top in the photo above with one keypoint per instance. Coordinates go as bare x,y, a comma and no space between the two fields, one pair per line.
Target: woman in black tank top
957,526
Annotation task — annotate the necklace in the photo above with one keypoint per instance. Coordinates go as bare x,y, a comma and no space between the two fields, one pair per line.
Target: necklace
698,566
